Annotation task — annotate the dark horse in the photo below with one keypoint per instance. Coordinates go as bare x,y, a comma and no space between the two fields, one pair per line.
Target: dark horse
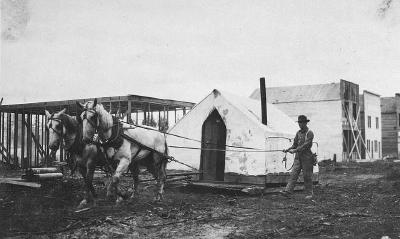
127,144
63,127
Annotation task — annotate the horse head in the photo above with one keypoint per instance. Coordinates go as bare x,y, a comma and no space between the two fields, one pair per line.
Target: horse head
95,119
56,129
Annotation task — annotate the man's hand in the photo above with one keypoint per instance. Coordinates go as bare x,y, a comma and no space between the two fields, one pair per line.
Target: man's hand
292,151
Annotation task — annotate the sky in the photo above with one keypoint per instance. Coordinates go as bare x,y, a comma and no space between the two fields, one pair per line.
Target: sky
182,50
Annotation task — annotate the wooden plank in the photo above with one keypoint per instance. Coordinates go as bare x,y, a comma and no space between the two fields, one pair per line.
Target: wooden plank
20,182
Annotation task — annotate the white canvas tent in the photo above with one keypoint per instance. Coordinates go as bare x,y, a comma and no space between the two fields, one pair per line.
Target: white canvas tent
222,119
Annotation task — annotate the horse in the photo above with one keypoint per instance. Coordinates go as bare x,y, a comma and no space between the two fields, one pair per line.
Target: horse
130,145
63,127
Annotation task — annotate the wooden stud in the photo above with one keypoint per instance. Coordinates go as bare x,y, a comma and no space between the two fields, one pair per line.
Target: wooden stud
23,162
9,134
36,146
16,139
42,129
29,139
159,120
46,140
2,130
129,112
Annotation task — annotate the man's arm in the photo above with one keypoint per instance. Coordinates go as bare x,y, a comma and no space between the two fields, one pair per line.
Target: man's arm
294,145
306,145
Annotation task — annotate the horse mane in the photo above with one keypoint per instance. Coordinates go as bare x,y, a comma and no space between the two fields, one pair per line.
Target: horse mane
105,118
70,123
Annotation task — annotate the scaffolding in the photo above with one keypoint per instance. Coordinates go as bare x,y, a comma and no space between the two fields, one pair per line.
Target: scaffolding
24,138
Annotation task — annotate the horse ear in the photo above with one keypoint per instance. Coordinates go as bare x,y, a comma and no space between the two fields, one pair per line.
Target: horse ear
95,102
63,111
47,113
80,105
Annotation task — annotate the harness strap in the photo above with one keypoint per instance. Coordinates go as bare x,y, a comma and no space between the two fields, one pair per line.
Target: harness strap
115,140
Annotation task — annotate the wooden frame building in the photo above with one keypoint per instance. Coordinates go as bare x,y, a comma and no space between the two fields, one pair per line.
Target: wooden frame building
24,138
390,107
371,126
334,112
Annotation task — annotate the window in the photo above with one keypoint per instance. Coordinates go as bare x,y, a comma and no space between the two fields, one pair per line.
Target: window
399,120
376,145
379,148
377,122
369,121
354,110
368,145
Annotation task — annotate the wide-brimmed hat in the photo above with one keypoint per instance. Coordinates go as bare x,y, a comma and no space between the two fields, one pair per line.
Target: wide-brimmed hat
302,118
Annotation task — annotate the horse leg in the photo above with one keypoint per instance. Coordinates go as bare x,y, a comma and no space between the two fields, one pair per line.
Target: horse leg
83,203
91,165
159,165
113,187
134,167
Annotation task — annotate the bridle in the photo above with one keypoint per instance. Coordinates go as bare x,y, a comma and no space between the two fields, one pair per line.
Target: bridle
60,133
96,124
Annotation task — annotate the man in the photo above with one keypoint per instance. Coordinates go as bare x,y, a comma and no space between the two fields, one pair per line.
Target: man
303,159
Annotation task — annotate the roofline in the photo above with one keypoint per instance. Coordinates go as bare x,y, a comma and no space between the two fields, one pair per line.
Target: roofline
302,101
372,93
125,98
275,87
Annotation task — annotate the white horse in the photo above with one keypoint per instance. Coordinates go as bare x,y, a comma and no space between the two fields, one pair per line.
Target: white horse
127,144
63,127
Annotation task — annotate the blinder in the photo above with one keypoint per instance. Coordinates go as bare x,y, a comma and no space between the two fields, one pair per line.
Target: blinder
51,118
93,119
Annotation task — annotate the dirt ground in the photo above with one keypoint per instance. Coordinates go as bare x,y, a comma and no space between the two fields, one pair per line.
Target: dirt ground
351,201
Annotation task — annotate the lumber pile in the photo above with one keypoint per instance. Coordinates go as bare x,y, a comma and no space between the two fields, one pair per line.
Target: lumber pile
41,174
